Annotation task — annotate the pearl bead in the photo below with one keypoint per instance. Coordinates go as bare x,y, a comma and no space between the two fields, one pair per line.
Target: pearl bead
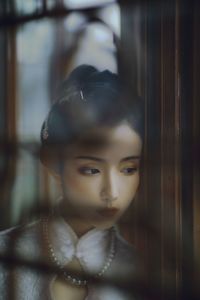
69,277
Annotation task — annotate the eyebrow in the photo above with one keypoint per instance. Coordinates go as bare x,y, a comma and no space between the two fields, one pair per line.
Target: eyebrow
133,157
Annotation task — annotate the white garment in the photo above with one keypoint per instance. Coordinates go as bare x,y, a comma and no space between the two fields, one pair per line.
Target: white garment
91,250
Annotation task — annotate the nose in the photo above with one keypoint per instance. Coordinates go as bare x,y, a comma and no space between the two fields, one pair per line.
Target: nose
110,189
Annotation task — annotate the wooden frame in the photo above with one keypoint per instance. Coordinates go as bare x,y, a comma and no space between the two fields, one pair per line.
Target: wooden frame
167,79
164,70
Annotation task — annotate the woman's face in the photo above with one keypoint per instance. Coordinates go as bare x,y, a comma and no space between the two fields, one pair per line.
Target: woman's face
101,176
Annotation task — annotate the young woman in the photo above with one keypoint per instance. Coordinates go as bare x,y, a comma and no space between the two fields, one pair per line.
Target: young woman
91,144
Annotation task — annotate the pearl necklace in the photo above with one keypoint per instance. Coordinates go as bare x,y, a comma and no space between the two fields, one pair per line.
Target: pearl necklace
68,277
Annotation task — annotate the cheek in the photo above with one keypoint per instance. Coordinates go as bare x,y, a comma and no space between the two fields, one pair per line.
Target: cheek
74,183
130,187
80,185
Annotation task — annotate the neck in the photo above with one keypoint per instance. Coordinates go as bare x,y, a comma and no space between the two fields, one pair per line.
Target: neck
80,227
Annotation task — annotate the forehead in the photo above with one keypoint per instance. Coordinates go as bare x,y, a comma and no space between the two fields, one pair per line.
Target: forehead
118,140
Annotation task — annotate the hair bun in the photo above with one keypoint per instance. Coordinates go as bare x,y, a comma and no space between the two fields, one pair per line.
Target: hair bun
80,75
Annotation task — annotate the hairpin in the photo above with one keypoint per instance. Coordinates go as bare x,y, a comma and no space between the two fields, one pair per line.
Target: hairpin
82,97
70,92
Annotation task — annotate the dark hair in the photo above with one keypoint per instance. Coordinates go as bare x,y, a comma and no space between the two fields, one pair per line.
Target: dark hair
89,98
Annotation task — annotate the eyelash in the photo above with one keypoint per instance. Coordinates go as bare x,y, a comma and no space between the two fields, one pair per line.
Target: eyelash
88,171
131,169
94,171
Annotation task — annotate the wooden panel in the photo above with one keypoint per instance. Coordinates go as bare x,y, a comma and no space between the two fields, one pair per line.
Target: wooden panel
8,135
196,135
159,203
186,12
170,141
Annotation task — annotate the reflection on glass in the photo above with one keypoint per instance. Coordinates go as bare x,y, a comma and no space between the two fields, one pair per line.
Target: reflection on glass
75,22
85,3
96,47
27,7
111,16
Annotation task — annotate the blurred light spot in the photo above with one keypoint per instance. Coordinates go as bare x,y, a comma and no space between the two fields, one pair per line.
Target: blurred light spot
111,16
85,3
74,22
34,42
28,7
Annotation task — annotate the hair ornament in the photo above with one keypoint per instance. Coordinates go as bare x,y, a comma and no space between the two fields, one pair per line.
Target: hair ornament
45,133
82,97
70,93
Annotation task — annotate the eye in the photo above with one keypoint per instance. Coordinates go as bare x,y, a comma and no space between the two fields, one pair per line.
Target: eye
129,170
89,171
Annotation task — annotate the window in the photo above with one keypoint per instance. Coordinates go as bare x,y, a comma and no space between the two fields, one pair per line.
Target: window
155,48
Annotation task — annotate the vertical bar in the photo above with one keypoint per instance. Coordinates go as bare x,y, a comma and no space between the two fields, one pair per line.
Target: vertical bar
186,123
196,135
8,129
128,59
153,147
169,141
44,5
177,153
11,134
3,156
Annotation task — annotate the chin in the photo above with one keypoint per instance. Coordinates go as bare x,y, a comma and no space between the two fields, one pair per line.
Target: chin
104,225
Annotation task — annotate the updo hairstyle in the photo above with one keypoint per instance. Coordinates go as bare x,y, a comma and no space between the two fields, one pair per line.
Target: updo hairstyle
87,99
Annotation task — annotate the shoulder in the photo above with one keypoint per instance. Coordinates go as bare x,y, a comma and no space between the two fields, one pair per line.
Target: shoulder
124,269
22,240
20,231
126,261
124,248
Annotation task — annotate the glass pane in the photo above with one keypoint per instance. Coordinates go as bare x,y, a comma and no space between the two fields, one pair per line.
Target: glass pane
27,7
34,48
34,51
43,50
85,3
96,48
111,16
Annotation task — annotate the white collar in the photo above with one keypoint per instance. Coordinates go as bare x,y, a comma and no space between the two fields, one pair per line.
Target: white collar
91,249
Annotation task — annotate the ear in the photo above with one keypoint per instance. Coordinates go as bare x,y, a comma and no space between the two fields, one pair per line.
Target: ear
56,174
52,164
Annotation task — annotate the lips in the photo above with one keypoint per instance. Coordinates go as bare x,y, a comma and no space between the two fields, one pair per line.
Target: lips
108,212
